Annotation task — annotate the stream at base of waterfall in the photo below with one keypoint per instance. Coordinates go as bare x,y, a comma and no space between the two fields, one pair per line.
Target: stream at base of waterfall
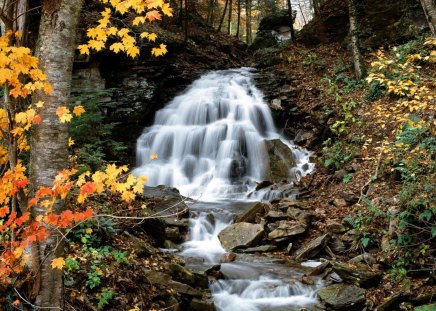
210,143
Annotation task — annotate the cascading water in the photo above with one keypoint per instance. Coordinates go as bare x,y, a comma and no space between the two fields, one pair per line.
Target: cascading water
211,145
210,141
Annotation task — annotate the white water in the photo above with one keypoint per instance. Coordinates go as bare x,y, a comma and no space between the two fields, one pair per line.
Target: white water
210,143
210,140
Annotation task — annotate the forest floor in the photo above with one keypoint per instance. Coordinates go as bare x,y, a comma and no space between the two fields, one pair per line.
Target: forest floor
352,128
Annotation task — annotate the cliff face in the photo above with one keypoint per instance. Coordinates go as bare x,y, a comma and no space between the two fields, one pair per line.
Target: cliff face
381,22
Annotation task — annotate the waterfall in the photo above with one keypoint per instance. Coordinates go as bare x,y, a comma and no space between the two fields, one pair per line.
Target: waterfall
212,144
210,140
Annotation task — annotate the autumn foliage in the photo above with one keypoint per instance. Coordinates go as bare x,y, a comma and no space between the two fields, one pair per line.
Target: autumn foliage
20,77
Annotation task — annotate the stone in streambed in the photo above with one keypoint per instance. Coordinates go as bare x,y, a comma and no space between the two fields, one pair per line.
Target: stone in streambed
281,160
312,248
241,235
250,214
189,277
342,297
260,249
356,273
287,229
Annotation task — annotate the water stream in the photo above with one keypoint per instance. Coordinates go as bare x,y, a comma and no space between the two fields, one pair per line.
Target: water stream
210,144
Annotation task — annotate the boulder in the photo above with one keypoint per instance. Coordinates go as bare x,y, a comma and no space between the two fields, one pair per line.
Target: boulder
343,297
334,226
241,235
287,229
281,160
228,257
202,305
364,258
312,248
358,274
298,214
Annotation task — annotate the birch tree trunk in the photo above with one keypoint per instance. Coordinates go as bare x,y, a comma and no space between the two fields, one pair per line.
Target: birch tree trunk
430,13
359,69
49,152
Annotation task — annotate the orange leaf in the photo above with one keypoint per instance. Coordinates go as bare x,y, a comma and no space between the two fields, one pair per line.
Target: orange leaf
58,263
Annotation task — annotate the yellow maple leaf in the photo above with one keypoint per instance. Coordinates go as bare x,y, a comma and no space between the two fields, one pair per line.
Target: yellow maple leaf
40,104
84,49
161,50
167,10
152,37
78,110
117,47
88,230
70,142
58,263
64,114
153,156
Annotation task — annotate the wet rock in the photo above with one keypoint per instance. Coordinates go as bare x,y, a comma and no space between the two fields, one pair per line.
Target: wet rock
251,212
305,279
158,278
358,274
320,269
334,226
260,249
289,248
202,305
189,277
276,104
313,247
339,202
388,303
241,235
364,258
263,184
342,297
281,160
287,229
228,257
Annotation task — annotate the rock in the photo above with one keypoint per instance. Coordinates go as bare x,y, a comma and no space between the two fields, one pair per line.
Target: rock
312,248
289,248
142,248
288,202
186,276
241,235
276,104
339,174
305,279
364,258
263,184
287,229
173,234
228,257
304,137
336,245
320,269
281,160
184,289
388,303
358,274
298,214
275,215
260,249
251,212
334,226
343,297
158,278
201,305
339,202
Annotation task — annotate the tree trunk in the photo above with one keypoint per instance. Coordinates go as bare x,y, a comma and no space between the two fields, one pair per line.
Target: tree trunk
49,152
359,69
186,20
291,23
239,19
248,21
229,22
430,13
224,14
